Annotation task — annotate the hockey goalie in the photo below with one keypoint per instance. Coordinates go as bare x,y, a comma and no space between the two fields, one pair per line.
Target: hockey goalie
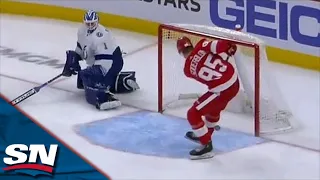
204,64
103,77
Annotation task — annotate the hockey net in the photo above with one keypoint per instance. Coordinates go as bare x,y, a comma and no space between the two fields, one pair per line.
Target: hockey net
259,94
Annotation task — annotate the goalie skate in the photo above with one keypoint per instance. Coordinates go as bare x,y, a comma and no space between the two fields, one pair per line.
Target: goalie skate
110,103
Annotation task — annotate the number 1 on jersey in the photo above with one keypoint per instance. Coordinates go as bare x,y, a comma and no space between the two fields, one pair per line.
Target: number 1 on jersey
105,46
84,52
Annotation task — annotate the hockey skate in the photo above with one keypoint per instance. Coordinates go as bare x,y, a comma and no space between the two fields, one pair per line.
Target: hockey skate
192,137
202,152
110,102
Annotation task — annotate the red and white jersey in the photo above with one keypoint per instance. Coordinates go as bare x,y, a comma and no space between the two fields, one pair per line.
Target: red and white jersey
206,66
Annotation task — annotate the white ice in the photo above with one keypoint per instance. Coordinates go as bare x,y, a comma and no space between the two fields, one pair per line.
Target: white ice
61,106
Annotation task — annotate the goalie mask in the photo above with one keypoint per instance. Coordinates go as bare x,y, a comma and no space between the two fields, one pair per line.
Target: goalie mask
91,20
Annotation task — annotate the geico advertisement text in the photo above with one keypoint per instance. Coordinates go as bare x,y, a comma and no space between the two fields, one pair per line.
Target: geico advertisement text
271,18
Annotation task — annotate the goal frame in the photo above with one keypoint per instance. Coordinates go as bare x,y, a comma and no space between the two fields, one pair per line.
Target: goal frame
255,46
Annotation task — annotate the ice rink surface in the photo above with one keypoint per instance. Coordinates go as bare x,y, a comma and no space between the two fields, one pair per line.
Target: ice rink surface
33,50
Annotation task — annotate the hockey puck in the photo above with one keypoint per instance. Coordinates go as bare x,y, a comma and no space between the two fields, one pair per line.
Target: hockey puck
217,128
238,27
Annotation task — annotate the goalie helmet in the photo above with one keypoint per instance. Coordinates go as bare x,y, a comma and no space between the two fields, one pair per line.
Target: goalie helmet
183,43
91,20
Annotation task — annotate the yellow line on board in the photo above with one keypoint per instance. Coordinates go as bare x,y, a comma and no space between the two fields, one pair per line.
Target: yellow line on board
140,26
294,58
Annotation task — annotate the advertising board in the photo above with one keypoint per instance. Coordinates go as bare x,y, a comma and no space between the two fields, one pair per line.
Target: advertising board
286,24
290,28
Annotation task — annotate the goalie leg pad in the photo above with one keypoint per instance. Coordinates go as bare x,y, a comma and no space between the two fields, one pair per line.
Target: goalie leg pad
79,82
106,101
125,83
97,89
101,99
91,95
95,76
89,78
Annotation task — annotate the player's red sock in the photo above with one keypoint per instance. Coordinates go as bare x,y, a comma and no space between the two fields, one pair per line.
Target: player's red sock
205,139
198,125
211,130
211,122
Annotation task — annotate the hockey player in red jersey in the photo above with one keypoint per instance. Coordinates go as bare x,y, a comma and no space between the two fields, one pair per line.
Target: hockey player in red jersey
204,63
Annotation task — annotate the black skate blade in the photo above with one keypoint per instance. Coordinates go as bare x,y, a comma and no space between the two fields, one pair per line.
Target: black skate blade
195,141
204,156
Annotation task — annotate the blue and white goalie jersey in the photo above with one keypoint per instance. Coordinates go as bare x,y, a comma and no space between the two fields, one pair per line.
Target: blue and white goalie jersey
96,48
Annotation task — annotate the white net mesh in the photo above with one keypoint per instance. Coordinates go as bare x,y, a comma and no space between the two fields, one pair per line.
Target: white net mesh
178,90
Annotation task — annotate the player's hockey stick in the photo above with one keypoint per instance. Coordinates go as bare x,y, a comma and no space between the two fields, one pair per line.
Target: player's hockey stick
32,91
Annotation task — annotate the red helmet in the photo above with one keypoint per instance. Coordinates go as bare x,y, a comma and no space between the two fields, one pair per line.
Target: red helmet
182,43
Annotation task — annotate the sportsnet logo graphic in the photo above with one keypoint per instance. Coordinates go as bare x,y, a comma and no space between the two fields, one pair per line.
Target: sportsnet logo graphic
28,163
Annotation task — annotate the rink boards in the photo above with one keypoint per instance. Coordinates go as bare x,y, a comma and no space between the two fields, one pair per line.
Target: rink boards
276,54
32,62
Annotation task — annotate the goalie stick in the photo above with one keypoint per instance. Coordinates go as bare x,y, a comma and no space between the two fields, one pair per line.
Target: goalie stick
32,91
35,90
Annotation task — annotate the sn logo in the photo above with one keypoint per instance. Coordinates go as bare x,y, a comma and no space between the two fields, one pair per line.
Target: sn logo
19,160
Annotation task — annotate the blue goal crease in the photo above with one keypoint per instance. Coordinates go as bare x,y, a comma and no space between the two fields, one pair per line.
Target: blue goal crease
155,134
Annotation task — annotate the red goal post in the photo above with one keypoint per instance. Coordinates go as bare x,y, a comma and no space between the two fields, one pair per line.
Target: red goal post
171,32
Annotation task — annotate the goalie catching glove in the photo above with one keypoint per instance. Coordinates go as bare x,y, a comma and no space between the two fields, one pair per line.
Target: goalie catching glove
72,66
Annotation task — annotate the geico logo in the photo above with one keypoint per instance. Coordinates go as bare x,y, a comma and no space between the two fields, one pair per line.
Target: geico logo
269,18
189,5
